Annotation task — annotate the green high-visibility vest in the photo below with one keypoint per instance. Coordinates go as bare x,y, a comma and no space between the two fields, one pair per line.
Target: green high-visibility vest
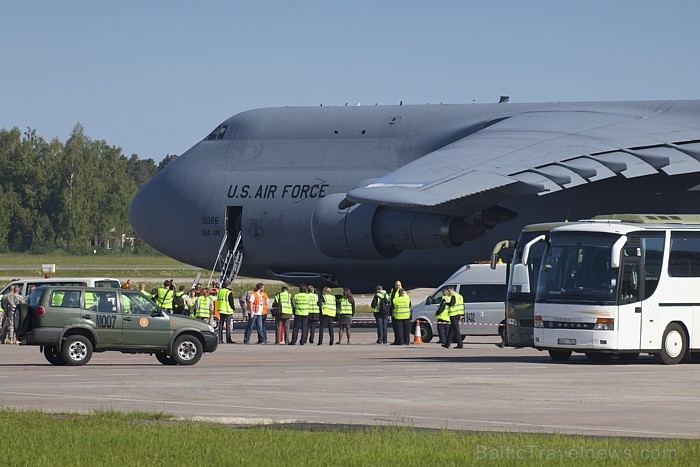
202,310
458,309
402,307
284,299
165,298
90,300
301,300
328,305
57,298
382,296
313,303
444,315
222,304
345,306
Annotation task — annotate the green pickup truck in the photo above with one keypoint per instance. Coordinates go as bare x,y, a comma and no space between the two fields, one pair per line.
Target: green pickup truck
69,323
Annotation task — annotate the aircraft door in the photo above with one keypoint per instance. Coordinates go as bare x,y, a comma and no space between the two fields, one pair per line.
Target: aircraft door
234,223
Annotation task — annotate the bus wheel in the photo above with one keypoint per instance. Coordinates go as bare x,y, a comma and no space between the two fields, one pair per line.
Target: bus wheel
628,357
426,333
673,345
560,355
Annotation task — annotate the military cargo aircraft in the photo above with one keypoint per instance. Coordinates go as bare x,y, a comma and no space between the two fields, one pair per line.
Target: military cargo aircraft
359,196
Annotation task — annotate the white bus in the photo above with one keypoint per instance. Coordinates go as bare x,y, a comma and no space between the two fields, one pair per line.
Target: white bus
621,287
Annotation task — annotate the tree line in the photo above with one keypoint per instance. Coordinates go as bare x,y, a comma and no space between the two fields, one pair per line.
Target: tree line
68,196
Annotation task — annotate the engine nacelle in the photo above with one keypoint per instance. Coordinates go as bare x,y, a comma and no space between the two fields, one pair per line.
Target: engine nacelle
375,232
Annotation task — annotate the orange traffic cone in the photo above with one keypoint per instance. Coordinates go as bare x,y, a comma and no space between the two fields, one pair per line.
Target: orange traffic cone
417,339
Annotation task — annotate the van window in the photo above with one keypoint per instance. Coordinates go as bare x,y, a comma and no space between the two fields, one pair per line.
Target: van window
473,293
437,295
108,284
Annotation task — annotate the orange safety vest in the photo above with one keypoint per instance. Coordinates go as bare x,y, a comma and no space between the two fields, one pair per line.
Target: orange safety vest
264,295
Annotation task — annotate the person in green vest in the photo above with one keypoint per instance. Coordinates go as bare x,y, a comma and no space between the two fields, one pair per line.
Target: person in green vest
283,301
314,315
203,306
328,306
142,289
402,318
381,309
300,306
164,296
393,293
443,318
346,311
455,311
90,301
226,307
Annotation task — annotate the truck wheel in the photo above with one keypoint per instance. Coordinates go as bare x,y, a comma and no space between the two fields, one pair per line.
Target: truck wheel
673,345
599,357
187,350
426,332
76,350
165,360
53,357
502,330
560,355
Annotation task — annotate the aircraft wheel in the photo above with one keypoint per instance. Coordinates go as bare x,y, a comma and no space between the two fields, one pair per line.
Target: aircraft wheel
560,355
53,357
187,350
673,345
76,350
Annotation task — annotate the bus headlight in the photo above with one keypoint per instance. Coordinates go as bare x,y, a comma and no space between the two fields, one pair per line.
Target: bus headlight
604,324
512,322
538,321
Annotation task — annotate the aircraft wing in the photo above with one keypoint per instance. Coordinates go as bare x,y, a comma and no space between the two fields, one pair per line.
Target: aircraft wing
539,152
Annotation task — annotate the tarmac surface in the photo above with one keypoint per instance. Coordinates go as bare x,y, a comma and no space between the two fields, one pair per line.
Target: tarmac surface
481,387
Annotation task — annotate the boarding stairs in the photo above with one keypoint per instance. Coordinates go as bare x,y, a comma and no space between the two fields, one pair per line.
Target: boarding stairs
229,263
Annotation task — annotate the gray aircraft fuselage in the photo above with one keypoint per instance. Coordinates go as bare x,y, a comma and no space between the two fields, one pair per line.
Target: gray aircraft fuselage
266,171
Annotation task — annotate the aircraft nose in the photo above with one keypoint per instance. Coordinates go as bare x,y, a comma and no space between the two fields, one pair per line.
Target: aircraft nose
154,216
141,211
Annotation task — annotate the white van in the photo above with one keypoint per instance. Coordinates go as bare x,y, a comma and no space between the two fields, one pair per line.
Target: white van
484,293
68,281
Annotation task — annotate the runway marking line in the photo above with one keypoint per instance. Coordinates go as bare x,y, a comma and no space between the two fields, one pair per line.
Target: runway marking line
373,415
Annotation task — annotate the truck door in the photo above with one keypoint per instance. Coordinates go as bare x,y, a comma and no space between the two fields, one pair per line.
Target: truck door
143,326
102,307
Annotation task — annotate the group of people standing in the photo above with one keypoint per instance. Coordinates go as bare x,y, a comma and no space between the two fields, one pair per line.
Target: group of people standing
309,310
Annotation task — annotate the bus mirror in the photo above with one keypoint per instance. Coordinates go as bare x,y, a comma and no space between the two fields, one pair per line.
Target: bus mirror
528,245
497,249
520,281
617,251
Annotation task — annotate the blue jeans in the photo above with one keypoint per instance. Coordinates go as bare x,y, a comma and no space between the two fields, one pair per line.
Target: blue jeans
300,322
382,325
228,321
254,320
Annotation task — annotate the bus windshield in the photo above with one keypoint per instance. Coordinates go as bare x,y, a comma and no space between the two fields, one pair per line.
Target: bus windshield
576,268
522,282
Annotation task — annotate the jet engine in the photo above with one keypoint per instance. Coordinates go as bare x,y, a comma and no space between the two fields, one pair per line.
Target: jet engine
377,232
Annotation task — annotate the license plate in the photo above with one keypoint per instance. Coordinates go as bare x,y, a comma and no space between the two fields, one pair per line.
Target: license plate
566,341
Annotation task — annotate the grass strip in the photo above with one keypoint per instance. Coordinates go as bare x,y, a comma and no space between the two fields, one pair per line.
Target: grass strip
115,438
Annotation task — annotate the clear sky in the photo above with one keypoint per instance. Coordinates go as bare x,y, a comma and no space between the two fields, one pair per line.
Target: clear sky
154,77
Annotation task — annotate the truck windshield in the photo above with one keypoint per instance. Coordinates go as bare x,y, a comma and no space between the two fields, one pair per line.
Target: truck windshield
522,282
576,268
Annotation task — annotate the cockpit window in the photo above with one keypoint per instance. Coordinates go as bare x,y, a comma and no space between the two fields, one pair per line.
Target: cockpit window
218,133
